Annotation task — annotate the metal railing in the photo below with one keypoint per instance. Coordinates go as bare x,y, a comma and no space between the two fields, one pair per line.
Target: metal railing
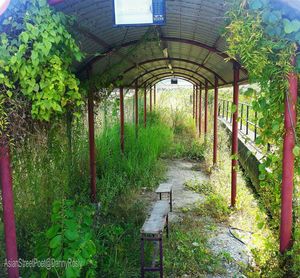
247,117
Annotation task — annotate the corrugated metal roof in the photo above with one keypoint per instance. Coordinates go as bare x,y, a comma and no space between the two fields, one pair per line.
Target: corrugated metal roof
191,35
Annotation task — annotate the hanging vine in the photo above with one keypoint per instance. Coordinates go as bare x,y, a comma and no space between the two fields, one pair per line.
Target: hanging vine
263,35
36,55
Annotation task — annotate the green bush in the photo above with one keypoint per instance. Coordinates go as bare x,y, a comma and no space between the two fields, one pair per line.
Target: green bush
70,239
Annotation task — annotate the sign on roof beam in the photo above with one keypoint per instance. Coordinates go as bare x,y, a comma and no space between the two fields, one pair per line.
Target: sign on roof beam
174,81
139,13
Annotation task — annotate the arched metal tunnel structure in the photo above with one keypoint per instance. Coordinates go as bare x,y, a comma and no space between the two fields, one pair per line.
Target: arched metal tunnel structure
189,46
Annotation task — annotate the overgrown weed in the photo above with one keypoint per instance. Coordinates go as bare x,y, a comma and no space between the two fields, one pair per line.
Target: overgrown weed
187,252
248,214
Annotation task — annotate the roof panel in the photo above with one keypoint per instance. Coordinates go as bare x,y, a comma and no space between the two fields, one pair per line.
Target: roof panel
196,20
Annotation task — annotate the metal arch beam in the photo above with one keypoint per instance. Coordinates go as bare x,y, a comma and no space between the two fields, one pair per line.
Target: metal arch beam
167,74
162,38
162,68
112,50
179,60
196,43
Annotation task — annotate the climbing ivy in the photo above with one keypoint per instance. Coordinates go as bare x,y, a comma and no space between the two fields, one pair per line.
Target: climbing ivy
263,35
36,55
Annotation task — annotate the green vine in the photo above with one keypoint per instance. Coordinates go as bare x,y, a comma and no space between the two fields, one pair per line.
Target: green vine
264,35
36,55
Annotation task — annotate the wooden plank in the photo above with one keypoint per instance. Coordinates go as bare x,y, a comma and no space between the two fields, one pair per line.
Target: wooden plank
161,208
164,188
155,223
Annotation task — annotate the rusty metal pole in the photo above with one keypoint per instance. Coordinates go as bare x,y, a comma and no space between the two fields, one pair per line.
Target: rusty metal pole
150,98
234,161
122,119
200,109
194,101
8,212
196,105
154,92
206,107
136,99
288,163
92,143
145,107
215,122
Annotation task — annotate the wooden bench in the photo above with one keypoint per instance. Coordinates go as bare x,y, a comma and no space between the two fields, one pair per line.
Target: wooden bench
165,188
152,231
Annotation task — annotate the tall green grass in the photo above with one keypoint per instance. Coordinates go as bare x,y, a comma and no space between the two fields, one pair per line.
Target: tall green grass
44,170
137,167
120,180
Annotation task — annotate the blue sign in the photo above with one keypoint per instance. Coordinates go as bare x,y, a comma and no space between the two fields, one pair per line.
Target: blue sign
159,12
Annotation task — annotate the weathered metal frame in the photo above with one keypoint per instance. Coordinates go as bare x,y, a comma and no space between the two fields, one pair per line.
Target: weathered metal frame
122,120
154,237
234,138
165,74
200,111
165,68
206,108
215,146
8,210
178,60
288,160
113,50
92,146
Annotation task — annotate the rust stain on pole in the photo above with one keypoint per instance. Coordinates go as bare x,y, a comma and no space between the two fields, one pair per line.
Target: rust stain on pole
215,122
234,161
206,107
92,143
136,99
145,107
196,105
150,99
200,109
193,101
122,119
8,211
154,88
288,164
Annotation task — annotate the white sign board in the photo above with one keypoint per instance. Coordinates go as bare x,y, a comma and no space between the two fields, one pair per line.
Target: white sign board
139,12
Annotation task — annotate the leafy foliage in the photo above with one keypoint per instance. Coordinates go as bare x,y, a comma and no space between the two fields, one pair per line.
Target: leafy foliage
263,35
69,239
36,54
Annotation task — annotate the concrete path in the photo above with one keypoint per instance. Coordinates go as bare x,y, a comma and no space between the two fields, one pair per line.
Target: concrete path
221,240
